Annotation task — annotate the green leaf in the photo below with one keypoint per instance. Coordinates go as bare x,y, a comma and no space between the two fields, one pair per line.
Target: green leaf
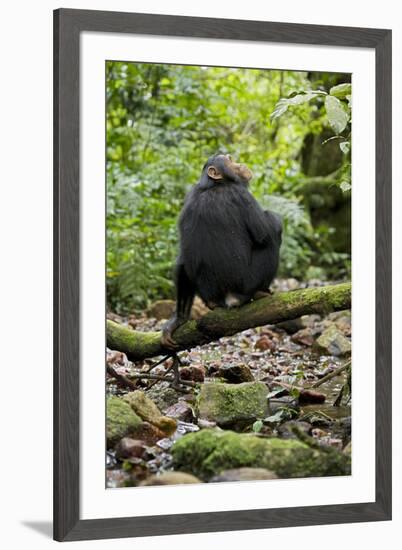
257,426
274,392
344,146
294,99
277,417
280,108
341,91
337,116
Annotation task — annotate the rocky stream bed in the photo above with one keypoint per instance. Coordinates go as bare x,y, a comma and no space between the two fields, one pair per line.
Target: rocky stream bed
250,410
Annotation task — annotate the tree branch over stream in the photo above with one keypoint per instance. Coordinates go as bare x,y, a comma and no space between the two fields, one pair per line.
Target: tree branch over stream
281,306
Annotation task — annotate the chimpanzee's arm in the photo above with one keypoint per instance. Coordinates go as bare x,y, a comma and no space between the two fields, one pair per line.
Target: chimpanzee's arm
185,292
264,227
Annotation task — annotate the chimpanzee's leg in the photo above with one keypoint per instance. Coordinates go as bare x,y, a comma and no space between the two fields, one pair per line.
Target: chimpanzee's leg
185,292
263,268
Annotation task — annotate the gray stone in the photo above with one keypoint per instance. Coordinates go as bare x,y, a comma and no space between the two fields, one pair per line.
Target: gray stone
244,474
181,411
333,342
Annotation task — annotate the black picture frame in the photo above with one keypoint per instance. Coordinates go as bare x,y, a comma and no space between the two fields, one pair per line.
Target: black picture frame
68,24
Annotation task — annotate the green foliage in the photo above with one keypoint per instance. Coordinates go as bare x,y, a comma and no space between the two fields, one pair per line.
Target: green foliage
337,106
337,115
163,121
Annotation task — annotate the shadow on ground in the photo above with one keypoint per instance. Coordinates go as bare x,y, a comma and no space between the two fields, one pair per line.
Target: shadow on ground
42,527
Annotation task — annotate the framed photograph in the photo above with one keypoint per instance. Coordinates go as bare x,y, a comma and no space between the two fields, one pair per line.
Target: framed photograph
222,196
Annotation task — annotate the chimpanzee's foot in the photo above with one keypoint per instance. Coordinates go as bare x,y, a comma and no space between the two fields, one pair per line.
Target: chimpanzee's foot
262,294
176,382
167,339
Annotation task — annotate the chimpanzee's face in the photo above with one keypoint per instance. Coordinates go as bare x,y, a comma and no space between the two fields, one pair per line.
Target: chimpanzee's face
239,169
223,167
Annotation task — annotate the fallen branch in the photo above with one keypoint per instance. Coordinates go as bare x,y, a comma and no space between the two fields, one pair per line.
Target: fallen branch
122,380
281,306
331,375
126,381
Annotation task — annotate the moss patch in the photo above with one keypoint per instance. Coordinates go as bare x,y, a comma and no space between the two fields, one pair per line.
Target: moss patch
209,452
232,404
147,410
121,420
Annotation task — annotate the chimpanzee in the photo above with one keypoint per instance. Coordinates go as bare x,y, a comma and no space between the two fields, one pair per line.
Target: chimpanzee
229,246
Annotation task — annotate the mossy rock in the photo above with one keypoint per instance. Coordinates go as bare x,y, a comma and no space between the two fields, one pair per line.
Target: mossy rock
142,405
209,452
121,420
232,404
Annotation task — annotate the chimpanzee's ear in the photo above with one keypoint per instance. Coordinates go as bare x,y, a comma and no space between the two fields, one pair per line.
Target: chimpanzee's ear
214,173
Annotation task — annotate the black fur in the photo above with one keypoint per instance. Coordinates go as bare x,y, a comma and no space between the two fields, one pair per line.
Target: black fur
228,244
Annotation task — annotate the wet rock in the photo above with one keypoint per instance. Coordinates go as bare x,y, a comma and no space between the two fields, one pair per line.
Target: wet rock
194,372
171,478
207,452
145,408
232,404
128,447
333,342
285,430
305,336
244,474
181,411
162,309
265,343
236,373
121,420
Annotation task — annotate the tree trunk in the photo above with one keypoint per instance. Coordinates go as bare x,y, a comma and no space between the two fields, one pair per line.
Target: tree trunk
282,306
